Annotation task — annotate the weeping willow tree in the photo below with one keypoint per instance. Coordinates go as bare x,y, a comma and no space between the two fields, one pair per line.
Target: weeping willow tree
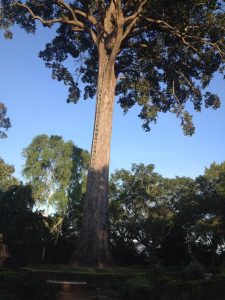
157,54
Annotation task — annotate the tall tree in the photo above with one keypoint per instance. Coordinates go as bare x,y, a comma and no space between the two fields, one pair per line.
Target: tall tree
55,169
157,54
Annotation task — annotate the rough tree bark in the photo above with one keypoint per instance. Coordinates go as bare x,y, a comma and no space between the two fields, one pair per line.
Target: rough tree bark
93,244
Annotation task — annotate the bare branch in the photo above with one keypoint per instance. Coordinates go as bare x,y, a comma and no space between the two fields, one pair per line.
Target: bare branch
62,4
177,99
93,35
75,12
47,22
87,16
75,23
173,30
186,79
134,16
52,21
219,46
133,19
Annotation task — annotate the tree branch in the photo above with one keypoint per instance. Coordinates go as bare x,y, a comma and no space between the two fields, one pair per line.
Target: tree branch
140,9
184,36
173,30
75,23
133,19
52,21
87,16
75,12
177,99
62,4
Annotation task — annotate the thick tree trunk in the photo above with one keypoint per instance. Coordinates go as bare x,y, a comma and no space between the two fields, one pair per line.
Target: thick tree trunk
93,245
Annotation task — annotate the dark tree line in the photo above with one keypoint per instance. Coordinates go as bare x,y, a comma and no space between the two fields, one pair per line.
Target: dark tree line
152,218
173,220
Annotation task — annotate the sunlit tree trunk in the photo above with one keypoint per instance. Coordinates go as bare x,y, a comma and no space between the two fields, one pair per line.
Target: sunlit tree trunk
93,244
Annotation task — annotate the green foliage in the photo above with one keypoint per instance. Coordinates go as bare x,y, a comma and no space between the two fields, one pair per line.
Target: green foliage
140,207
167,56
215,175
56,170
4,121
171,72
7,179
27,232
170,219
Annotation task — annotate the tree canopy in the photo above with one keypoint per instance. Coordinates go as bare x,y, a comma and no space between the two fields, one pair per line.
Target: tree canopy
173,219
141,206
56,170
151,218
166,52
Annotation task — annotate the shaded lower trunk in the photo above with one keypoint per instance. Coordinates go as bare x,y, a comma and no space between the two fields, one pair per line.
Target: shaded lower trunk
93,245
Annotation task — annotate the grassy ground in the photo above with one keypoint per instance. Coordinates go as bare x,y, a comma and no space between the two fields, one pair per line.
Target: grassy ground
85,270
32,282
131,283
101,283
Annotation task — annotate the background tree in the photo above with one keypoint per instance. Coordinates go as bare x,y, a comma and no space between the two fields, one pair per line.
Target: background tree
157,54
141,209
211,222
18,222
32,237
177,247
199,219
7,179
23,229
4,121
56,170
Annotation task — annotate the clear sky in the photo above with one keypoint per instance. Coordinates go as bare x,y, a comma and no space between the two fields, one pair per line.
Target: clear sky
37,104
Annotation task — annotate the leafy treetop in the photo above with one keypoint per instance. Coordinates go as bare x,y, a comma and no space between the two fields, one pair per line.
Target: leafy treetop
165,52
55,169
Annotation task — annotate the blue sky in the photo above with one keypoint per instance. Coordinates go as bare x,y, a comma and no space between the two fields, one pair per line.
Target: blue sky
37,104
